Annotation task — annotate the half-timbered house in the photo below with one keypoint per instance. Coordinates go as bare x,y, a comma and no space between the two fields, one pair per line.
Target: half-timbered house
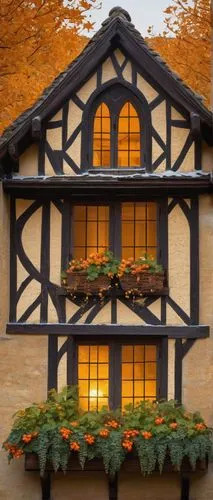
116,154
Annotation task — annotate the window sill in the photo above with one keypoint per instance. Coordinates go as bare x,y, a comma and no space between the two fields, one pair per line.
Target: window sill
121,171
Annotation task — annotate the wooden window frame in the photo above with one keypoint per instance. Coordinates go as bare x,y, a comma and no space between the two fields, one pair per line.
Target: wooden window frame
115,224
115,345
115,97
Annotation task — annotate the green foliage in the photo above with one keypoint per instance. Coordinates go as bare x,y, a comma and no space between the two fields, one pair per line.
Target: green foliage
56,428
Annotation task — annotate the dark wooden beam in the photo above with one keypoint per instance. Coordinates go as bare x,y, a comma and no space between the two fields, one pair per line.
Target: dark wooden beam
13,151
175,332
113,487
46,486
195,125
36,127
185,487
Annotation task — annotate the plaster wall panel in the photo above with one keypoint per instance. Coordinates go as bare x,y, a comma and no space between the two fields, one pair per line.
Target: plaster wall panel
57,116
207,157
155,308
159,120
52,312
27,298
127,72
175,115
171,369
179,258
55,244
90,485
75,150
146,89
71,309
23,372
49,170
62,367
156,150
161,168
28,162
172,318
83,318
127,317
104,316
88,88
108,71
22,274
74,118
206,262
134,486
54,138
178,139
119,56
4,267
67,170
31,238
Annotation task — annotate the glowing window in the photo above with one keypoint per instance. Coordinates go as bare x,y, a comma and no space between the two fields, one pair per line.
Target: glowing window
90,230
101,137
93,376
139,373
129,139
139,229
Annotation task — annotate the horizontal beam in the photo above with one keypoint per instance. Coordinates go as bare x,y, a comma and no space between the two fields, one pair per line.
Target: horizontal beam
174,332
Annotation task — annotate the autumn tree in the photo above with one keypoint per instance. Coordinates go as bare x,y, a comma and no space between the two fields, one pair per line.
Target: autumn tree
38,39
185,44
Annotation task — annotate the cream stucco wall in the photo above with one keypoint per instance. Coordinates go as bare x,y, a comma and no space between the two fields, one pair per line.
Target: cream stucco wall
28,162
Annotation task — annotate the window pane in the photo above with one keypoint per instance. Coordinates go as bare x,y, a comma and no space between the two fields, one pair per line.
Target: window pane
123,158
93,376
93,353
83,354
103,354
103,370
83,371
123,143
138,232
151,211
134,125
90,230
139,375
101,137
127,371
129,141
127,353
134,159
93,371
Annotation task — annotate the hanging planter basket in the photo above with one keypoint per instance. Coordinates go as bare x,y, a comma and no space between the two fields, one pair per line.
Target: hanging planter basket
144,282
77,282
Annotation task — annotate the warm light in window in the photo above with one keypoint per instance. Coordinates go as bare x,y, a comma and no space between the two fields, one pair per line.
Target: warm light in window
90,230
129,137
139,229
139,373
101,137
93,376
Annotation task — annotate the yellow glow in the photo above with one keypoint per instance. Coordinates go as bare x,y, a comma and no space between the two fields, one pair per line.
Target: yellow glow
101,137
139,229
90,230
93,375
129,137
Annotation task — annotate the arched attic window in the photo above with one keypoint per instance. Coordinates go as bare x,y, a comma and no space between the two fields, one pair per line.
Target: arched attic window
117,131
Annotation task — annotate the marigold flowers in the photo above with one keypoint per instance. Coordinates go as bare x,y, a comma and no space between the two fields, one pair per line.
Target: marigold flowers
131,433
26,438
13,450
104,433
173,426
74,446
127,444
146,434
112,423
200,427
89,439
74,423
159,420
65,433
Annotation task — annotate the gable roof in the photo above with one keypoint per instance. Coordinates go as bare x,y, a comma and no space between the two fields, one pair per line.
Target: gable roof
117,29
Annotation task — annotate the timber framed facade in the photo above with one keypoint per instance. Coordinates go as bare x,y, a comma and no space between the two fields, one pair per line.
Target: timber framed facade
117,133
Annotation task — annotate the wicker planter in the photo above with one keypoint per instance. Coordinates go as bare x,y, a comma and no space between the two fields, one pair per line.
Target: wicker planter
77,282
145,282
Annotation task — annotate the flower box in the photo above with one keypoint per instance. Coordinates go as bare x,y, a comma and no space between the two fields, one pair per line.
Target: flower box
77,282
130,464
145,282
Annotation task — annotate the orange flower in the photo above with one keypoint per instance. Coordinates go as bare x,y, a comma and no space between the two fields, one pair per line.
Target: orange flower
173,426
18,453
127,444
89,439
75,446
112,423
27,438
131,433
200,427
75,423
104,433
65,433
146,434
159,420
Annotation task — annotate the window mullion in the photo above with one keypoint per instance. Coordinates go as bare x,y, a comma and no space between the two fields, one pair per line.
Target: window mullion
115,229
115,375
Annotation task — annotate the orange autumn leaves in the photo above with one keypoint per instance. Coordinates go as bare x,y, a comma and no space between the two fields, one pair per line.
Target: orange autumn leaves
185,44
38,40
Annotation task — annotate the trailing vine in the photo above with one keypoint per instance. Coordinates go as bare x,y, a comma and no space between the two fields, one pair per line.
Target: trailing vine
56,429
